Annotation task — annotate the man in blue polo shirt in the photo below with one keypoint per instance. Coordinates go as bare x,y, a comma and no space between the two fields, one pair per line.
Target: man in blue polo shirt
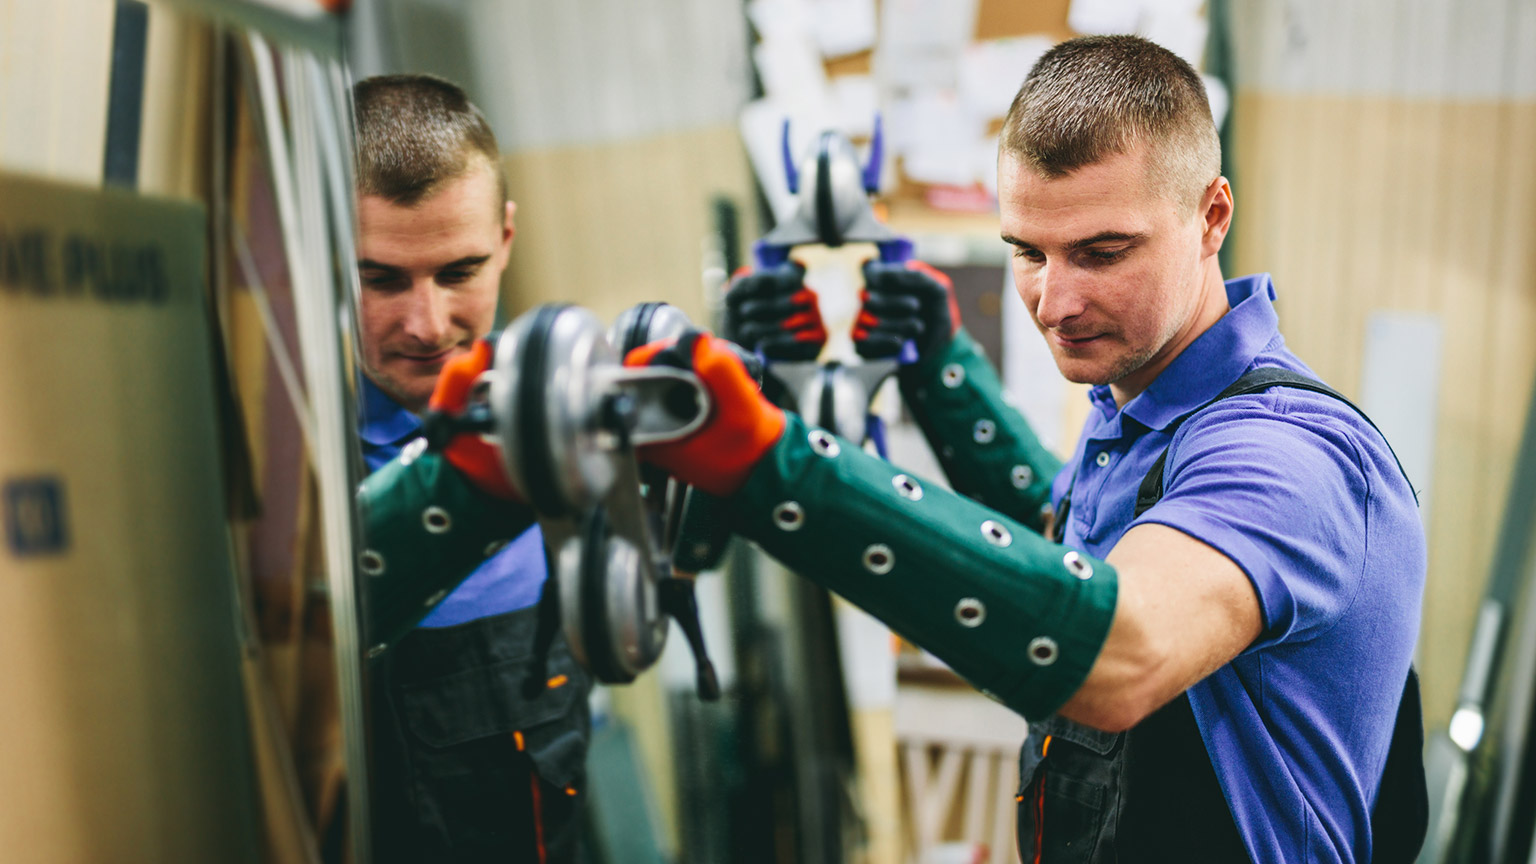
1214,649
466,768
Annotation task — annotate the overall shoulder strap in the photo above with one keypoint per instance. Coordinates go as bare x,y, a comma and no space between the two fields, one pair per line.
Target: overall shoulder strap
1253,381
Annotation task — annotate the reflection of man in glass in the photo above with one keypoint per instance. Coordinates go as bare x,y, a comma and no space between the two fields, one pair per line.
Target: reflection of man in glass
465,768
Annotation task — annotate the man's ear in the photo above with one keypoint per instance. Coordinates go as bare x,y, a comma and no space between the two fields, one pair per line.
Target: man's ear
1215,215
508,226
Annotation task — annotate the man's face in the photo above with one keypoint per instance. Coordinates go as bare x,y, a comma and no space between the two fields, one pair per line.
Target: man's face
1113,274
429,274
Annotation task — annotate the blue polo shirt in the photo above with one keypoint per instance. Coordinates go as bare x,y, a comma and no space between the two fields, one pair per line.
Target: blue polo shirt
507,581
1303,495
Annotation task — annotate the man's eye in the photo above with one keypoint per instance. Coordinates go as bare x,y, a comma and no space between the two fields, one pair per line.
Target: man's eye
1032,255
454,277
1107,256
380,280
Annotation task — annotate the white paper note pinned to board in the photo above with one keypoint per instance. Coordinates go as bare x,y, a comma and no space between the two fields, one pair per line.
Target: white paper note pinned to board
990,72
778,20
790,70
856,101
1101,17
844,27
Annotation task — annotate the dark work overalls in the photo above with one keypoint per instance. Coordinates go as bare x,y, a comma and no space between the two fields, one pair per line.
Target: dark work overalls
465,768
1150,794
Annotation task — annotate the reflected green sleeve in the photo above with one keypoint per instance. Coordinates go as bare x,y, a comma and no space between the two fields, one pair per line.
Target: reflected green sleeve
425,529
985,446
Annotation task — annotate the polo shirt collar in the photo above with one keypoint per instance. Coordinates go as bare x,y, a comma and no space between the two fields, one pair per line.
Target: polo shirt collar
381,420
1214,360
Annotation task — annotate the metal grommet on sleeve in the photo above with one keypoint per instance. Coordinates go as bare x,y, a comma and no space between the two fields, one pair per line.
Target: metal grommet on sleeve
970,612
823,443
371,563
1102,459
907,488
436,520
996,533
1022,476
1042,651
984,431
1076,565
879,559
953,375
789,516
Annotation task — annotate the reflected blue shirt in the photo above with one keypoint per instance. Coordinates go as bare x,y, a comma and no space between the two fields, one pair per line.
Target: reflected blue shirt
507,581
1300,492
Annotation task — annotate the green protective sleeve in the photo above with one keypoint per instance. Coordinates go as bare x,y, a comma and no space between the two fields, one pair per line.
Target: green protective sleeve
984,445
1021,618
425,529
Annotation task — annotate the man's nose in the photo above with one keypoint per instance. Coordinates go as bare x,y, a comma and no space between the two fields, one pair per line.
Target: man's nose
1060,295
426,319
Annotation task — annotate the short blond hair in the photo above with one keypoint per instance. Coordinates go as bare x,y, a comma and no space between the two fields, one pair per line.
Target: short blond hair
417,132
1096,96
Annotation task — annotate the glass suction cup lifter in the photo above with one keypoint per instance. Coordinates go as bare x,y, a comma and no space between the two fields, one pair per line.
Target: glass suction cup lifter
568,416
663,497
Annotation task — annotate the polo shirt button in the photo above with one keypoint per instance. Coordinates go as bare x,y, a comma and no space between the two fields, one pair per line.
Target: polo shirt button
1103,459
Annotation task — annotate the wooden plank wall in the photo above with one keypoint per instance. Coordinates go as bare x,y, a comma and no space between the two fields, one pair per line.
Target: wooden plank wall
610,225
1386,160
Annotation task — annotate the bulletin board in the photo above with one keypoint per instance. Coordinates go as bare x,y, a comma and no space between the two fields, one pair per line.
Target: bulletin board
941,75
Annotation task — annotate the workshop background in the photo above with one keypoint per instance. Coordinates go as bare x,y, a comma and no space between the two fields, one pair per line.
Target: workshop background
183,672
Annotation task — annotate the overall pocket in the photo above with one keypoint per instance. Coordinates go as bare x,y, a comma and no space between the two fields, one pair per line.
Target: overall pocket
1068,781
494,773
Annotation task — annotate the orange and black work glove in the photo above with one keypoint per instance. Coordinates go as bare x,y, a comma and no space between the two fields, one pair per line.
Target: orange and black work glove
466,448
742,425
911,302
772,312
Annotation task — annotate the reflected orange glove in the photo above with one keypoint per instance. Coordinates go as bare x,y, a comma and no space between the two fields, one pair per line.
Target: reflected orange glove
742,426
474,456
